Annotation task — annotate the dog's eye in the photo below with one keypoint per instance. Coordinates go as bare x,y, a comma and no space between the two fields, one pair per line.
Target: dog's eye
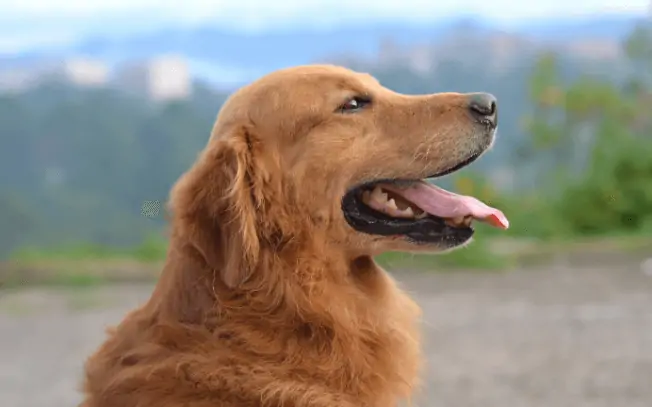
354,104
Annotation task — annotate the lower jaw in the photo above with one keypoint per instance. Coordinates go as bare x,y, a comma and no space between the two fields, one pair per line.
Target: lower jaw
424,231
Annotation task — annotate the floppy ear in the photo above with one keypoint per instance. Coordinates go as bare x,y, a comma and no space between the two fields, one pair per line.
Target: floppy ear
214,208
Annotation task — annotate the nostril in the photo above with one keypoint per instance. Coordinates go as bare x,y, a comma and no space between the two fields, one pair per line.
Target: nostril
483,109
482,103
492,108
483,106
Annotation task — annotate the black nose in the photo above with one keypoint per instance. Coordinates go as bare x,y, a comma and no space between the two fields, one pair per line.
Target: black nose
483,107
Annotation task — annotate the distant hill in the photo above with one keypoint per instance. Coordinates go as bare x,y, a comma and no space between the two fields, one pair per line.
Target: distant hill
217,54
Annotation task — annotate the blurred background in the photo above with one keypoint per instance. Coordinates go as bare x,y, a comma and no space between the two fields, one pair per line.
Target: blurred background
104,103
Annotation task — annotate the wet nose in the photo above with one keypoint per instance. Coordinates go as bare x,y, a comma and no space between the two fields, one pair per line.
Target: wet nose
483,106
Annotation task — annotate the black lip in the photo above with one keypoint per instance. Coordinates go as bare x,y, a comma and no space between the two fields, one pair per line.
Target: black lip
428,230
458,166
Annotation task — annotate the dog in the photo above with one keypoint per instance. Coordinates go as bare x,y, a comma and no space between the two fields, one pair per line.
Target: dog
269,295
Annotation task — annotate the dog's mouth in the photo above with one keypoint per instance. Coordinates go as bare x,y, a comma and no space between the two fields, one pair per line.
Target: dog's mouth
418,210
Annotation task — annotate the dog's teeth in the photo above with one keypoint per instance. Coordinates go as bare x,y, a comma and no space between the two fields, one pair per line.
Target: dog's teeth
408,212
366,197
460,221
400,213
378,195
380,201
455,222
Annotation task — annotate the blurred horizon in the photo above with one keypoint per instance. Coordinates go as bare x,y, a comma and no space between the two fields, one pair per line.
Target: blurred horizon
225,52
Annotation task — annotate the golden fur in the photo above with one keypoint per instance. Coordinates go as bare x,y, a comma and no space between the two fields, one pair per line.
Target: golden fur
268,297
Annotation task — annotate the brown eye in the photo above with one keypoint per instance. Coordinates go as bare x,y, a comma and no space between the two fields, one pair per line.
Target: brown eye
354,104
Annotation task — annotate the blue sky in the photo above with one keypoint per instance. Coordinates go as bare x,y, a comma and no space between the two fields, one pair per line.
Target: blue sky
263,12
30,23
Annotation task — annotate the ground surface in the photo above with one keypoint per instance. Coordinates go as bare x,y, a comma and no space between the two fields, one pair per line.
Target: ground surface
562,338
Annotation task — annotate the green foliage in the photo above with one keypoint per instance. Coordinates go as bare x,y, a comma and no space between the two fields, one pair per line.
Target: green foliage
151,249
617,195
84,251
606,179
76,165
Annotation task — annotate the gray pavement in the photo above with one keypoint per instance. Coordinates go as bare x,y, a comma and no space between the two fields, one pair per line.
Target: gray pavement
553,338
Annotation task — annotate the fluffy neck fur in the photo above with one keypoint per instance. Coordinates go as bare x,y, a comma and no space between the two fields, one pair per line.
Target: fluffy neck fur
345,318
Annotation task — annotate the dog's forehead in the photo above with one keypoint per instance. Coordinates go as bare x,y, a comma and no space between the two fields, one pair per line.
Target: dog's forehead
288,94
321,78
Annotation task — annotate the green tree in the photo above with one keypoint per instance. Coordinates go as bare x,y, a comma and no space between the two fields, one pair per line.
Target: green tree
594,136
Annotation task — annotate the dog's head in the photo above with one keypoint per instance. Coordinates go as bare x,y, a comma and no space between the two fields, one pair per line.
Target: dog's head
321,152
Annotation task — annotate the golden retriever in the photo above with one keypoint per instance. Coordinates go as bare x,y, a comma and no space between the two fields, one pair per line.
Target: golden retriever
270,295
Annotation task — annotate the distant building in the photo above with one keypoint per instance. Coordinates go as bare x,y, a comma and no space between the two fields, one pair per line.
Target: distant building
73,71
79,72
159,79
591,49
497,51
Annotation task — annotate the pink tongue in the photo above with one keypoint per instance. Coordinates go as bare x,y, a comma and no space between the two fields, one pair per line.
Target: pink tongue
445,204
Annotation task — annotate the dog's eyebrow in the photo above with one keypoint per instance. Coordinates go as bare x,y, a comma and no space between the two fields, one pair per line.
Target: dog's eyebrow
360,92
